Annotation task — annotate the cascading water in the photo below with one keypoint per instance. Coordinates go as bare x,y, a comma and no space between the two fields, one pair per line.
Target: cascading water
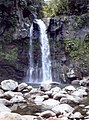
46,63
42,74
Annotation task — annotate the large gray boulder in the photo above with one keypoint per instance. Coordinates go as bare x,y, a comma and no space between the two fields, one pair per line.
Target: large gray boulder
63,109
50,103
9,85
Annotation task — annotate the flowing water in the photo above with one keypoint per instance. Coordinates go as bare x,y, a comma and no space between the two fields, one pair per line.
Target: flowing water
36,74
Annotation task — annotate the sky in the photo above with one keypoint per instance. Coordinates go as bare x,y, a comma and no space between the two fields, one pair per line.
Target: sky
46,0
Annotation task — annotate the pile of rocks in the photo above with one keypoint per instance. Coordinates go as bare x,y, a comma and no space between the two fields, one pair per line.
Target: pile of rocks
55,103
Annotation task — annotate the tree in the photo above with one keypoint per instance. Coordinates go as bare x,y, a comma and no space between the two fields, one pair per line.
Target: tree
56,7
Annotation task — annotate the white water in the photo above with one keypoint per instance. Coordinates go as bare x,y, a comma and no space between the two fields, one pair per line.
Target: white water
43,74
46,63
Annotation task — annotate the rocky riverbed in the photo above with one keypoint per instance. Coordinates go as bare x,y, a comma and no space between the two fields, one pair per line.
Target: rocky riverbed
45,102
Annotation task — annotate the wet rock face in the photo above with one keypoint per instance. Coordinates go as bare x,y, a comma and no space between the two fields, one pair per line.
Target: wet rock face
12,37
13,64
15,20
36,31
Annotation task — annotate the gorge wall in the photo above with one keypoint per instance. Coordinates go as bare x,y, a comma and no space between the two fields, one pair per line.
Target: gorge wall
15,20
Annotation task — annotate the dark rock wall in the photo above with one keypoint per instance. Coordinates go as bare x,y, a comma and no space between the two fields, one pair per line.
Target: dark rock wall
16,17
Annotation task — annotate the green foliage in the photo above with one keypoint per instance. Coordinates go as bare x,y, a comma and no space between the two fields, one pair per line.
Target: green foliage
58,7
78,50
82,20
55,7
9,54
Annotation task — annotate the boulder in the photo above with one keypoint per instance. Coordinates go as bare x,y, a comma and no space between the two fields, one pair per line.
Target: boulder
63,109
31,117
50,103
10,116
55,90
69,100
9,85
47,114
53,118
22,86
75,82
17,99
45,97
80,93
71,73
1,93
38,100
29,87
11,94
58,96
49,93
84,82
5,101
3,108
14,107
33,93
87,107
77,115
87,112
45,87
69,88
86,118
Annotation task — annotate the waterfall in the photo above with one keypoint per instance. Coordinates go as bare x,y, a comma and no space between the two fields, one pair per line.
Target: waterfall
39,72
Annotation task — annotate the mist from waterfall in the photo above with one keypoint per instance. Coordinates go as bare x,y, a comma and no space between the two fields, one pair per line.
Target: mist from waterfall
36,74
